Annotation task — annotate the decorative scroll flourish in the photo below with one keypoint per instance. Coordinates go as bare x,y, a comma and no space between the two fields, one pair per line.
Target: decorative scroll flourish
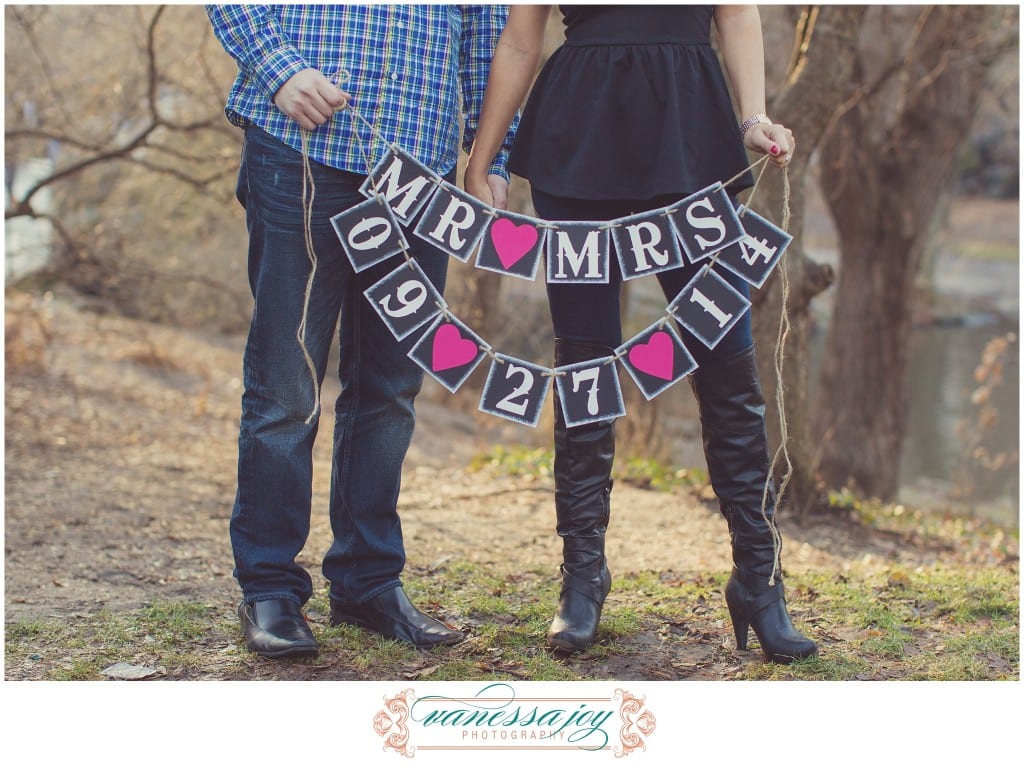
638,723
390,723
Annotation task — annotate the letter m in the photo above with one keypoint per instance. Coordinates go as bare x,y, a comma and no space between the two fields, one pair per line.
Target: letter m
407,195
589,252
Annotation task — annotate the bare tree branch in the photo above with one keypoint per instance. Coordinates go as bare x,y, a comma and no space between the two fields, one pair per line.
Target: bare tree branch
200,184
47,135
77,167
153,75
44,65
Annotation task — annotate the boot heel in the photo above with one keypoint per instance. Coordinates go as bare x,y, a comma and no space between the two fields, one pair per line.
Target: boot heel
763,608
740,625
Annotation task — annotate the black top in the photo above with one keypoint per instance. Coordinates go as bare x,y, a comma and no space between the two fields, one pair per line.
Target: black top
633,105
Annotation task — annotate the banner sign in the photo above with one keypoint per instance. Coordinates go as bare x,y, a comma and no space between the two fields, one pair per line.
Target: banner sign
515,390
589,391
369,233
578,253
449,351
512,245
403,182
754,256
405,299
708,307
646,244
706,222
703,227
453,222
656,359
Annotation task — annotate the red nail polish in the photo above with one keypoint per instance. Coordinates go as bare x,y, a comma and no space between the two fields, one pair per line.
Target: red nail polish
775,149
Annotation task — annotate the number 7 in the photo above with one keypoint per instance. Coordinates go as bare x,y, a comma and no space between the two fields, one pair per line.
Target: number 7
582,375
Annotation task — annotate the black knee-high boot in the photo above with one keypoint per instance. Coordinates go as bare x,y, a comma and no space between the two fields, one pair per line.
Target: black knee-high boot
732,413
583,484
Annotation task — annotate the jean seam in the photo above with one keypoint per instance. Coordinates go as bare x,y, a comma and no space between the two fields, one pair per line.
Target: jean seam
250,370
344,458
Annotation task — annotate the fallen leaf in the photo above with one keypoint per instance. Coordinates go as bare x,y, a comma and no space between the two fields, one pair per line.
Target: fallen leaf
128,671
421,673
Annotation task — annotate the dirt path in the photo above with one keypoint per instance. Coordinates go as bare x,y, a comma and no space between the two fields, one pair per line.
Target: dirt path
120,457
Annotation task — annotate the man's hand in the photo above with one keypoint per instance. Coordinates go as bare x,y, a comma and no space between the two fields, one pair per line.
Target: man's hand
490,189
499,191
310,98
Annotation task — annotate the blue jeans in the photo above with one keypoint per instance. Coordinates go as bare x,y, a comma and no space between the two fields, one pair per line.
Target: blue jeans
374,412
591,312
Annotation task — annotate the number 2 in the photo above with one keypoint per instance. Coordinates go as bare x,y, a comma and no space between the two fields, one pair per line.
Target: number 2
506,404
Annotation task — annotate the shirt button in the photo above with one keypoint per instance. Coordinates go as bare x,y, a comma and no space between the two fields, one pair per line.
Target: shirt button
394,76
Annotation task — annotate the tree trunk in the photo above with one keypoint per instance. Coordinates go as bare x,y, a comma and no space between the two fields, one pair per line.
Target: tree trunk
824,53
887,167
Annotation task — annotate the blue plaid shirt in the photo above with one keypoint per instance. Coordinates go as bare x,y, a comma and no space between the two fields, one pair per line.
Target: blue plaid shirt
411,68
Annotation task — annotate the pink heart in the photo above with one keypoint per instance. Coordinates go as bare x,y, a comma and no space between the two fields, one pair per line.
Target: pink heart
656,357
450,349
512,242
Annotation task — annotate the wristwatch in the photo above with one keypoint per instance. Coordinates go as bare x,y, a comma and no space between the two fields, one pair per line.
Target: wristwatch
751,121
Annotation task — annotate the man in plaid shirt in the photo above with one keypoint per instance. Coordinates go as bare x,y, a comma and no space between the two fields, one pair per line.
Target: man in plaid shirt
411,71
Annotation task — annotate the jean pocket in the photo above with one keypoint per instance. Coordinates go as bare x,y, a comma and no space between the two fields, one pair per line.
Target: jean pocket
274,174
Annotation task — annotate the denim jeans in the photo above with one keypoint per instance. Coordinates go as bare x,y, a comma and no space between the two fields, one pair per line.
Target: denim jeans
374,413
591,312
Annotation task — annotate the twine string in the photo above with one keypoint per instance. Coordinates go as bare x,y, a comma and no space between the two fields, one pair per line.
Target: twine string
779,358
308,193
745,170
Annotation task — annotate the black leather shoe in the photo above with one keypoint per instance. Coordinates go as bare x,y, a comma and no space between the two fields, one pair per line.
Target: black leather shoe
276,629
393,615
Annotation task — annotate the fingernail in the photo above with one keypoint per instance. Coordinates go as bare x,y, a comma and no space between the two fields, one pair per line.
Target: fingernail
775,150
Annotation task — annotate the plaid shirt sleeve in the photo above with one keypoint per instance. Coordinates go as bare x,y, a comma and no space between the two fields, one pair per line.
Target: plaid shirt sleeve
481,28
252,35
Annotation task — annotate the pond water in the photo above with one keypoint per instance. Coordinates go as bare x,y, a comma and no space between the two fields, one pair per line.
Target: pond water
977,300
944,423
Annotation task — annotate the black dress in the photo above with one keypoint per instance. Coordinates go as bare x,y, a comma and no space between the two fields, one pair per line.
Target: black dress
633,105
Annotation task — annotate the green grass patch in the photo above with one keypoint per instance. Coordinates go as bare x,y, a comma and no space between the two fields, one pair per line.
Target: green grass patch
650,473
948,622
516,461
519,461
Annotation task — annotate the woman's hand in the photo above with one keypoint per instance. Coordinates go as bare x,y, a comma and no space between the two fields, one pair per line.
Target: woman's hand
773,139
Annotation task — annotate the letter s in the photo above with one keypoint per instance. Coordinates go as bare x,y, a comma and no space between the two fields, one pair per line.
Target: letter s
705,223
